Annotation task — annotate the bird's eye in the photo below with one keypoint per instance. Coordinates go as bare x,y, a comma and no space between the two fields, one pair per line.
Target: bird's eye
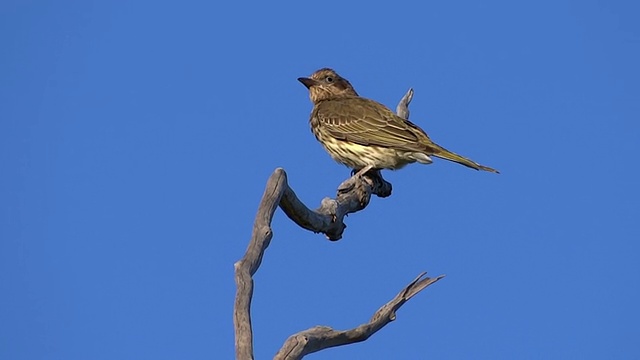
329,79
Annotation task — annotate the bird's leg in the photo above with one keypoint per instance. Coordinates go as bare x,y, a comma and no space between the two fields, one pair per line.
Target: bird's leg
350,183
364,170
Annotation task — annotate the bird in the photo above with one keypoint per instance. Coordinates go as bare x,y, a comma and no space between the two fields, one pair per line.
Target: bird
362,133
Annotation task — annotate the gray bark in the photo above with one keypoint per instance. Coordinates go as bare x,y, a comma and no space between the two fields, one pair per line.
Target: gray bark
322,337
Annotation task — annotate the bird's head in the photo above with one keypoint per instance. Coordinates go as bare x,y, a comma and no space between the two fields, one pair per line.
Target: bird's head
326,84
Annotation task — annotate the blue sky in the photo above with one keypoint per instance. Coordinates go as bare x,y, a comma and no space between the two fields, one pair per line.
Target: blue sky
136,139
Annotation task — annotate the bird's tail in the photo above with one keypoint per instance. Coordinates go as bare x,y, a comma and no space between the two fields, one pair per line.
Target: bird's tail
443,153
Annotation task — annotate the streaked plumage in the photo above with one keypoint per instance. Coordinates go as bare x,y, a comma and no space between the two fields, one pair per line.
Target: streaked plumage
359,132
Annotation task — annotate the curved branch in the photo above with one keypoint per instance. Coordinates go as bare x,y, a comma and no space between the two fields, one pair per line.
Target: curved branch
248,265
353,197
322,337
403,106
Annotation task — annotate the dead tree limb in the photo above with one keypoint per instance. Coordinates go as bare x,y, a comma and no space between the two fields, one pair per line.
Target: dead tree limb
403,106
322,337
353,195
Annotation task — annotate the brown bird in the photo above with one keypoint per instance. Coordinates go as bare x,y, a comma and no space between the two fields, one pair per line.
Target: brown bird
359,132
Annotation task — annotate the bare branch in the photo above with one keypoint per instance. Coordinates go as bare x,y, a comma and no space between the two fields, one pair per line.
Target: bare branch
403,106
353,195
248,265
322,337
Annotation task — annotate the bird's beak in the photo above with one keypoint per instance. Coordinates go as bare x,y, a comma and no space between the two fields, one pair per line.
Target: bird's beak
307,82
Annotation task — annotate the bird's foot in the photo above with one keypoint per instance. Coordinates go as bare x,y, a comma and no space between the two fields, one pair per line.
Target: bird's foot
350,183
363,171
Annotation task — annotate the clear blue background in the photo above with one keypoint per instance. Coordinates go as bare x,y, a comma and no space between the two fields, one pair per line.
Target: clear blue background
136,139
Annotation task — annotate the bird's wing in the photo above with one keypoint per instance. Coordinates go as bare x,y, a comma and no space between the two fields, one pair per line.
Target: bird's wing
366,122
